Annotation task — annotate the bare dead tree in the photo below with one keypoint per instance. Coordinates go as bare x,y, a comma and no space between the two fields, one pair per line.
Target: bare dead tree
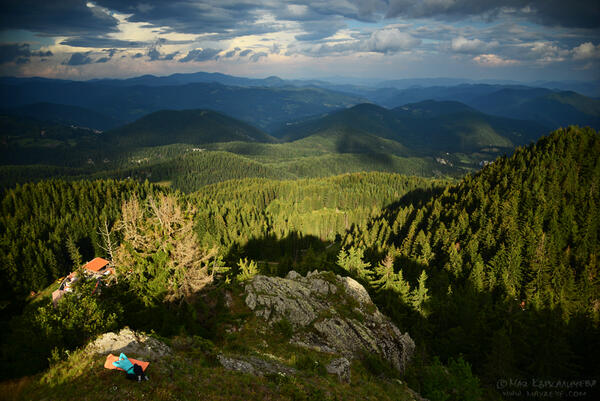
156,210
161,225
131,223
168,213
107,243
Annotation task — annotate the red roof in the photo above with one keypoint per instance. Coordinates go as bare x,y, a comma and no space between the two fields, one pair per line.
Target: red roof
96,264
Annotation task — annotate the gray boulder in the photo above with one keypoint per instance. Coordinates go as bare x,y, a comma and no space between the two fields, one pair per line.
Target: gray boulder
131,343
341,368
329,313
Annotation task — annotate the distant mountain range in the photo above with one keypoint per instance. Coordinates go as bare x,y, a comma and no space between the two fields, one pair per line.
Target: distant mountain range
550,108
191,127
265,107
188,147
272,102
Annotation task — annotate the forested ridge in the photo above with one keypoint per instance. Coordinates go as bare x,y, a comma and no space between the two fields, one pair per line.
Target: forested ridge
509,262
527,225
39,219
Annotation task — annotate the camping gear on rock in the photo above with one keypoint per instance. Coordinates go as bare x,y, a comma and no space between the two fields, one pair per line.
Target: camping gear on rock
138,374
124,363
133,368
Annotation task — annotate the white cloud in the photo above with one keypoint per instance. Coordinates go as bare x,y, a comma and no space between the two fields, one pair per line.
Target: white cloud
493,60
464,45
389,40
586,51
543,52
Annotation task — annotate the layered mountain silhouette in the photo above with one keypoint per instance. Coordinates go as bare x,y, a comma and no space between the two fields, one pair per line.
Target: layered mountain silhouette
424,127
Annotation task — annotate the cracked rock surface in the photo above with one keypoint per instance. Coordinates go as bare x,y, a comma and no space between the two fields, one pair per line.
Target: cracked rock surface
329,313
130,343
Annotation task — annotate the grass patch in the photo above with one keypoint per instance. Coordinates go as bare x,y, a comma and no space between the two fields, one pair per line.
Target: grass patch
186,377
284,328
305,363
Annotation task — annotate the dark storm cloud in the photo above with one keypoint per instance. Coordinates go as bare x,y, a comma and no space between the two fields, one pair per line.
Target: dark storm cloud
573,14
79,59
200,55
360,10
316,30
61,17
244,28
154,53
185,15
231,18
19,53
226,19
110,53
94,41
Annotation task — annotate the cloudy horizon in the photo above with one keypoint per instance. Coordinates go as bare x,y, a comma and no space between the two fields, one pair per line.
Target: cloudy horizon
295,39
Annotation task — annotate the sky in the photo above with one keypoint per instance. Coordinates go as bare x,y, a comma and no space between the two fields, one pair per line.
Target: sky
296,39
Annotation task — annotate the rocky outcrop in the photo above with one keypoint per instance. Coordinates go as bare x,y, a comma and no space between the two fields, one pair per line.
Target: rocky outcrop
129,342
329,313
254,365
341,368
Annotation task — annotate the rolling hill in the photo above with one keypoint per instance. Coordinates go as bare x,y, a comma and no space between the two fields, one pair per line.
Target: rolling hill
192,148
421,128
194,127
553,109
28,141
65,114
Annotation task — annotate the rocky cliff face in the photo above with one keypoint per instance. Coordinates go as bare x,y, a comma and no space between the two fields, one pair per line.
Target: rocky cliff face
329,313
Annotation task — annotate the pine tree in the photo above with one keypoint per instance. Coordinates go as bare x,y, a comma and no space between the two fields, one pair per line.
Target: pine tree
402,287
352,261
420,294
385,274
74,253
247,269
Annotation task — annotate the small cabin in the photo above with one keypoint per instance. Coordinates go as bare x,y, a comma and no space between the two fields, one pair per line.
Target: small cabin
98,267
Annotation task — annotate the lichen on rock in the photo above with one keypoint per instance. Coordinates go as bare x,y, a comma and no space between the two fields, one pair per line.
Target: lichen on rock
129,342
254,365
341,368
329,313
